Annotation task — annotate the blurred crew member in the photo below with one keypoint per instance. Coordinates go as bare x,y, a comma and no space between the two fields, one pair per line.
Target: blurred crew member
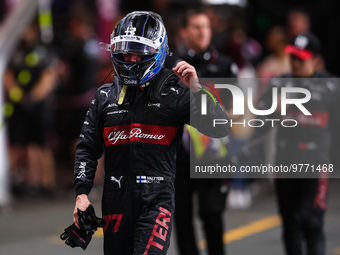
196,33
29,81
302,201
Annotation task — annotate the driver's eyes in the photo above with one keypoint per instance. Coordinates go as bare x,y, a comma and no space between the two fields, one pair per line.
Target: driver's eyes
119,57
145,58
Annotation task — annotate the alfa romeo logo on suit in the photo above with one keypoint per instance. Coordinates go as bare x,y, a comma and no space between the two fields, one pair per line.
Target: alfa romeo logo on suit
137,132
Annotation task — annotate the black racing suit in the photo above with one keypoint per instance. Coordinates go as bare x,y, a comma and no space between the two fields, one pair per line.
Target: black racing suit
140,140
302,201
211,193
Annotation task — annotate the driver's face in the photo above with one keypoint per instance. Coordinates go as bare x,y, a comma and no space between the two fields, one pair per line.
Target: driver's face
132,58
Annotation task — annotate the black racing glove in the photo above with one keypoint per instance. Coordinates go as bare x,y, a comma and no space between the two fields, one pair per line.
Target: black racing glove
75,237
89,223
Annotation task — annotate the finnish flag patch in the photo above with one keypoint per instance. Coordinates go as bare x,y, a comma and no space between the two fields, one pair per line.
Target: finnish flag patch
141,179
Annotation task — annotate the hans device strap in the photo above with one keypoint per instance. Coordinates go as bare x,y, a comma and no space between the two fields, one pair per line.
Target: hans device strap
154,92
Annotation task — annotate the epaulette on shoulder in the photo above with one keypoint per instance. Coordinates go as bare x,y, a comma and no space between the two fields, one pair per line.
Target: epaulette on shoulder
106,85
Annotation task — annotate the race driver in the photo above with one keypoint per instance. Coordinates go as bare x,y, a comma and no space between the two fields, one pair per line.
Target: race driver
137,121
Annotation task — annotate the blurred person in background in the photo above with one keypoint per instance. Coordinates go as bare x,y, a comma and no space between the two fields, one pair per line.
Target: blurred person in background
29,81
275,64
298,22
245,52
302,202
195,30
218,16
277,61
78,73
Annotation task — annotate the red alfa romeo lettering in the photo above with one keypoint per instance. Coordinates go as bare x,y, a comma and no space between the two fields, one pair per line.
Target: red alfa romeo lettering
160,230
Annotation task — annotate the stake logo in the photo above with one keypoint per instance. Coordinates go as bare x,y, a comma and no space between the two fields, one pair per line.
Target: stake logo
130,29
82,172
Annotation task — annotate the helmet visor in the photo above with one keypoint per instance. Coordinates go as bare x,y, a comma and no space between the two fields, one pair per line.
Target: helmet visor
127,47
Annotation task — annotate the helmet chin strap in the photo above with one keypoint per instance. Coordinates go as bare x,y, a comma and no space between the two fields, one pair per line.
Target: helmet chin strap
125,88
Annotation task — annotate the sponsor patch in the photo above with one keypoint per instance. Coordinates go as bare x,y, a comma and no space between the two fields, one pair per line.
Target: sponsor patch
114,179
82,172
149,179
117,112
141,133
154,104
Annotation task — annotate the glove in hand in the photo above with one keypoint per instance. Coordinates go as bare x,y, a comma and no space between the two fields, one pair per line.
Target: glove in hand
89,223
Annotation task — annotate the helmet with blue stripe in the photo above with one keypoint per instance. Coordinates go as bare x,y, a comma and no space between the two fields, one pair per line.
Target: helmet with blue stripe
141,33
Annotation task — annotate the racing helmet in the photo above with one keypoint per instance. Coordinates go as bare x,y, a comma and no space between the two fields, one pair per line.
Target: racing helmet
142,33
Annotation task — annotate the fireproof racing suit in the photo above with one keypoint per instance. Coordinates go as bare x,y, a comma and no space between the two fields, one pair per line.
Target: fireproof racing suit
140,140
302,201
